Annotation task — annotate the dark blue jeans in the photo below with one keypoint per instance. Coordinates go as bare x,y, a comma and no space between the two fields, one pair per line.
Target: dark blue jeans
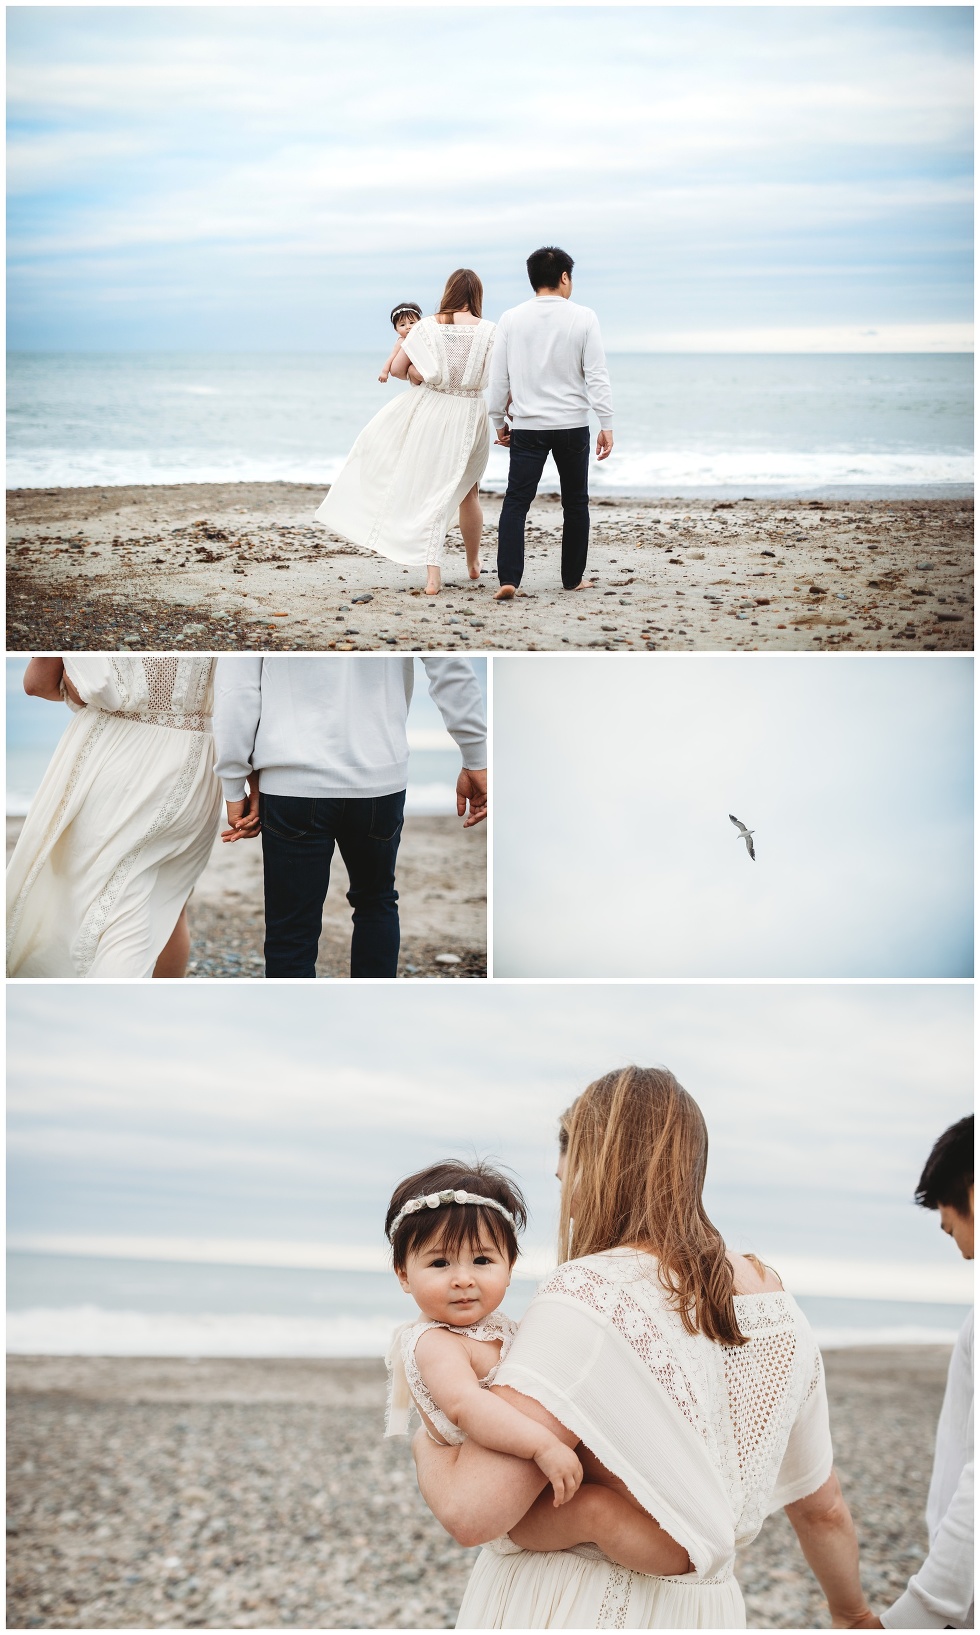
528,452
298,838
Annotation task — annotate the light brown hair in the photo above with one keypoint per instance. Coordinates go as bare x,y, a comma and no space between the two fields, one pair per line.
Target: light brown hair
636,1148
463,289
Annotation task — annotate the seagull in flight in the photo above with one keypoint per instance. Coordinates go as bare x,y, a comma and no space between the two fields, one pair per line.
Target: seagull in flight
744,834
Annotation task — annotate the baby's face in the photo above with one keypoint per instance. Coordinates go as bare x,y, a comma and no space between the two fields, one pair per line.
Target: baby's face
459,1288
404,324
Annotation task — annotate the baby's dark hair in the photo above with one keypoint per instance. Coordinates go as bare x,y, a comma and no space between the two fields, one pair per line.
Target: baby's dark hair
456,1224
403,309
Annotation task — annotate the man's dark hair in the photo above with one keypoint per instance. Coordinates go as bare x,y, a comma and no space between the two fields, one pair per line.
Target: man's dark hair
545,267
948,1175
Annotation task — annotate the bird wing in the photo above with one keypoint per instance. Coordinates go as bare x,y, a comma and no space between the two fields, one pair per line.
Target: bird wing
750,847
739,826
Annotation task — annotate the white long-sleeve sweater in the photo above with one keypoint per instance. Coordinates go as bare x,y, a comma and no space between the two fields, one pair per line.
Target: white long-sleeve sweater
940,1594
548,357
334,726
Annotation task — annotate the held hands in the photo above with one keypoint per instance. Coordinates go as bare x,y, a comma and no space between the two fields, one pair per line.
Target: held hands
243,816
604,445
471,787
864,1620
503,436
563,1469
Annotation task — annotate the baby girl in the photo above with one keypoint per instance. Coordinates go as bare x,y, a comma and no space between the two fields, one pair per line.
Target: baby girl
453,1232
402,318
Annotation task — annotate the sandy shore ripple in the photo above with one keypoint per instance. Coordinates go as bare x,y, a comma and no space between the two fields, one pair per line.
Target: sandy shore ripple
243,566
442,903
188,1494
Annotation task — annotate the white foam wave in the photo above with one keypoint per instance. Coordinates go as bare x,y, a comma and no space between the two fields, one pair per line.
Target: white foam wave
93,1331
838,1339
431,799
630,470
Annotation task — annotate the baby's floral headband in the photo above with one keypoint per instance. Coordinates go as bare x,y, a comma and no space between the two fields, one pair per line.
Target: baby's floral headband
435,1200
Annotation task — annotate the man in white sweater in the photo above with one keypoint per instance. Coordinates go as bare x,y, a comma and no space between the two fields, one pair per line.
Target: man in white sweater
548,363
322,745
940,1594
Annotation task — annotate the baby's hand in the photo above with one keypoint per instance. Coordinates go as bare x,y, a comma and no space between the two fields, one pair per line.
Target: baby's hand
383,376
563,1469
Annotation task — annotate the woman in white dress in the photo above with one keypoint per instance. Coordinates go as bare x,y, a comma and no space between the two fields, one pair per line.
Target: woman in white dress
683,1374
122,824
421,458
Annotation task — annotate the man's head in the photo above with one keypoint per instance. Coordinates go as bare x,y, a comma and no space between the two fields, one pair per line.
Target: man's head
550,271
946,1184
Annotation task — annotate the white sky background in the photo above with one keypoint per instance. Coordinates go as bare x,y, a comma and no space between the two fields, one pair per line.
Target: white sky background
757,178
185,1113
613,850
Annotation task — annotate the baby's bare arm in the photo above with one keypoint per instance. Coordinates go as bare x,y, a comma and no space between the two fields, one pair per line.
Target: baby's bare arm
392,355
451,1380
597,1515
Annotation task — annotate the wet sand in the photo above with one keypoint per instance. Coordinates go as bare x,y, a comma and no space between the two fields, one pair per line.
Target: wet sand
442,892
207,1493
243,566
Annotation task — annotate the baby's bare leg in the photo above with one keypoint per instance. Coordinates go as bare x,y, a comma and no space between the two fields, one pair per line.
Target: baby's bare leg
597,1515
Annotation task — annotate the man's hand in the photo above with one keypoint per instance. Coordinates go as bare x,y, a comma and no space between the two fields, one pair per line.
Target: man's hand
471,787
503,436
604,445
243,816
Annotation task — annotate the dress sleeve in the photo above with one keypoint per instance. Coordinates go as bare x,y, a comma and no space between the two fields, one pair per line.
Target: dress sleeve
809,1455
584,1370
420,346
106,684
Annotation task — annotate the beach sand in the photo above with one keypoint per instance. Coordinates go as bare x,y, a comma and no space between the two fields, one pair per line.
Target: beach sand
205,566
442,902
237,1494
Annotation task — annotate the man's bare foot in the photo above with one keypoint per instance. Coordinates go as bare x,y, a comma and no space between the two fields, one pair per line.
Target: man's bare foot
583,584
433,582
505,593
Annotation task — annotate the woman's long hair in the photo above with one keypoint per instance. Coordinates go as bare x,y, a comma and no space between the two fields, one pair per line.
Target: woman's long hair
636,1149
463,289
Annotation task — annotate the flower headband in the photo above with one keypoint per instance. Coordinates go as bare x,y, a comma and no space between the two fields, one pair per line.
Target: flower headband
404,310
434,1200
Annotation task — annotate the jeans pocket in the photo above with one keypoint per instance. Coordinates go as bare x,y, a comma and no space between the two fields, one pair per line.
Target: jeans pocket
387,816
288,817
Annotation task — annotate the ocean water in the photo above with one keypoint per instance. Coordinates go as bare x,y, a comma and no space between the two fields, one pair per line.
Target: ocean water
98,1306
685,424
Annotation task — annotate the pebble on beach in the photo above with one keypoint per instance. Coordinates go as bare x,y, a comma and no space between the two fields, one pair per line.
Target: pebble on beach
204,566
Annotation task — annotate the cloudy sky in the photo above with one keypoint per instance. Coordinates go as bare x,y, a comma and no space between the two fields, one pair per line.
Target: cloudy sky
613,850
187,1114
786,178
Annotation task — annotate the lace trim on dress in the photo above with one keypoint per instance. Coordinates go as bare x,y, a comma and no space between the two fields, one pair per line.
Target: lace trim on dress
86,943
616,1600
182,721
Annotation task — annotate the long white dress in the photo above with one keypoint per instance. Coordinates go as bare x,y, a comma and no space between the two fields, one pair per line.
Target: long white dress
709,1439
122,824
419,457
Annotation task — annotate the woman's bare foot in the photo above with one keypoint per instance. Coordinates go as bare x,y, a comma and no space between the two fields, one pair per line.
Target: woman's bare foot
505,593
433,581
474,566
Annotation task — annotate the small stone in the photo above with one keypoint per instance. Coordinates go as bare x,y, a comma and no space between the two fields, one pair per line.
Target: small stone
367,597
448,959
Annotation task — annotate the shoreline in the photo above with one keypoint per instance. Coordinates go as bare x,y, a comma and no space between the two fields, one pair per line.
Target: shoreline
244,567
237,1493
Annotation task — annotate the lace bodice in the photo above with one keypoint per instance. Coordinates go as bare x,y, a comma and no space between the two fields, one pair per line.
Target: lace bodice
674,1413
161,690
452,358
497,1326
